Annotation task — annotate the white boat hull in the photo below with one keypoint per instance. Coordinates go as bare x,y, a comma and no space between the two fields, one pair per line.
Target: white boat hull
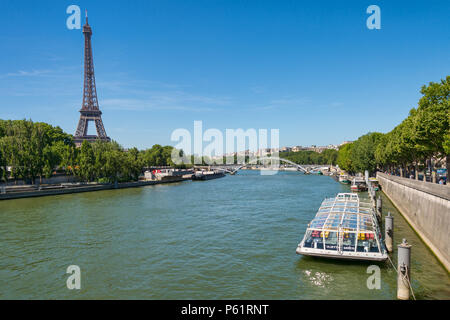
347,255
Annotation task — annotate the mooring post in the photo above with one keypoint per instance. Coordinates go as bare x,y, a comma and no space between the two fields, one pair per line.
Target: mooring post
369,191
379,205
373,197
389,232
404,270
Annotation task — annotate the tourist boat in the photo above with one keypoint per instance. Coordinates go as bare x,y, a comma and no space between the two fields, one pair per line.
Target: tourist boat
343,178
344,228
207,175
358,184
374,183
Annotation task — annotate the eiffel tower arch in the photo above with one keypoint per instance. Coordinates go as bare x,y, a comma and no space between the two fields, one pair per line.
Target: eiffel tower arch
90,111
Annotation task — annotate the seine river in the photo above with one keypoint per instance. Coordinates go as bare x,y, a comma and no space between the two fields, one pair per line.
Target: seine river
229,238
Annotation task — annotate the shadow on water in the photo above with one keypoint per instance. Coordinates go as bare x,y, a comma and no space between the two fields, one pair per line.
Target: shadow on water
308,261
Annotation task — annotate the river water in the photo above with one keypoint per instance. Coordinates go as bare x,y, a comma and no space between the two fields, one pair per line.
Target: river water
229,238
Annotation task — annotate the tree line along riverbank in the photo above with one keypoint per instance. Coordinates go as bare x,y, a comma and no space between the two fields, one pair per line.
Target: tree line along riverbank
31,150
421,142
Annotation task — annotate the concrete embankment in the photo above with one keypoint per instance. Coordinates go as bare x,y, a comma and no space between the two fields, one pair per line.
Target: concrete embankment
426,207
57,190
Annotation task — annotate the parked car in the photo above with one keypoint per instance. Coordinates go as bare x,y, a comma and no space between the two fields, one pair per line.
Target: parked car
441,174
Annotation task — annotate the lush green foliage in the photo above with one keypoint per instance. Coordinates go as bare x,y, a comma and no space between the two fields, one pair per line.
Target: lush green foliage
328,156
344,159
423,134
38,149
33,149
158,156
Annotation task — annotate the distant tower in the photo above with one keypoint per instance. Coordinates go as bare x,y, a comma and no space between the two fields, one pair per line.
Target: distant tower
89,110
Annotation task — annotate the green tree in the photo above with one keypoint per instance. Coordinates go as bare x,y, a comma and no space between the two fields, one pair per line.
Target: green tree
363,152
432,120
134,164
329,156
114,165
87,162
344,159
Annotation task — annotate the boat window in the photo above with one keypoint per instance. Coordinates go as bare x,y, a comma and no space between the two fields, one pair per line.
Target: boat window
349,224
367,242
314,239
348,241
332,222
373,245
331,240
317,223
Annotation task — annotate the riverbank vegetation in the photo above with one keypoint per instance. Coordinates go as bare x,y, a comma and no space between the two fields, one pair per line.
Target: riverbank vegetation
31,150
419,142
326,157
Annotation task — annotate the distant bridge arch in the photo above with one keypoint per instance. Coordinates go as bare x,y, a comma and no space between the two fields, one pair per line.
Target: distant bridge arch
303,169
235,168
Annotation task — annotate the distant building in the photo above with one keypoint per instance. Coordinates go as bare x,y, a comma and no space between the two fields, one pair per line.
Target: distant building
332,146
264,152
319,149
345,142
297,148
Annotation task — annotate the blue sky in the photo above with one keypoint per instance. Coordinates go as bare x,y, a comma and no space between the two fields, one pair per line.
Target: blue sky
309,68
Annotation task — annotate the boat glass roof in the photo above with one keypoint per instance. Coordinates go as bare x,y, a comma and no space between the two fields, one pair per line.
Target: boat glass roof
344,211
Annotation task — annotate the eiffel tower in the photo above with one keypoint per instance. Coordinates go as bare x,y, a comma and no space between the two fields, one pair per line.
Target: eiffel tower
90,110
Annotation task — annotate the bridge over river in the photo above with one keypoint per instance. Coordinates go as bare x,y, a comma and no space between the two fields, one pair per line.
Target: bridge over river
275,165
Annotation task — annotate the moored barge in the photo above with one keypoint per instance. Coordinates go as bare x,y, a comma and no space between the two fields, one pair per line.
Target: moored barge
207,175
358,184
343,178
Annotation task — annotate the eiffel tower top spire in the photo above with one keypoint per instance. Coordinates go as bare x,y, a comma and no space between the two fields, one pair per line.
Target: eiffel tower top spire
90,110
87,28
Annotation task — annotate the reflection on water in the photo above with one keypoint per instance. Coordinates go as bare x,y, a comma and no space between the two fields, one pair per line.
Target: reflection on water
227,238
319,279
